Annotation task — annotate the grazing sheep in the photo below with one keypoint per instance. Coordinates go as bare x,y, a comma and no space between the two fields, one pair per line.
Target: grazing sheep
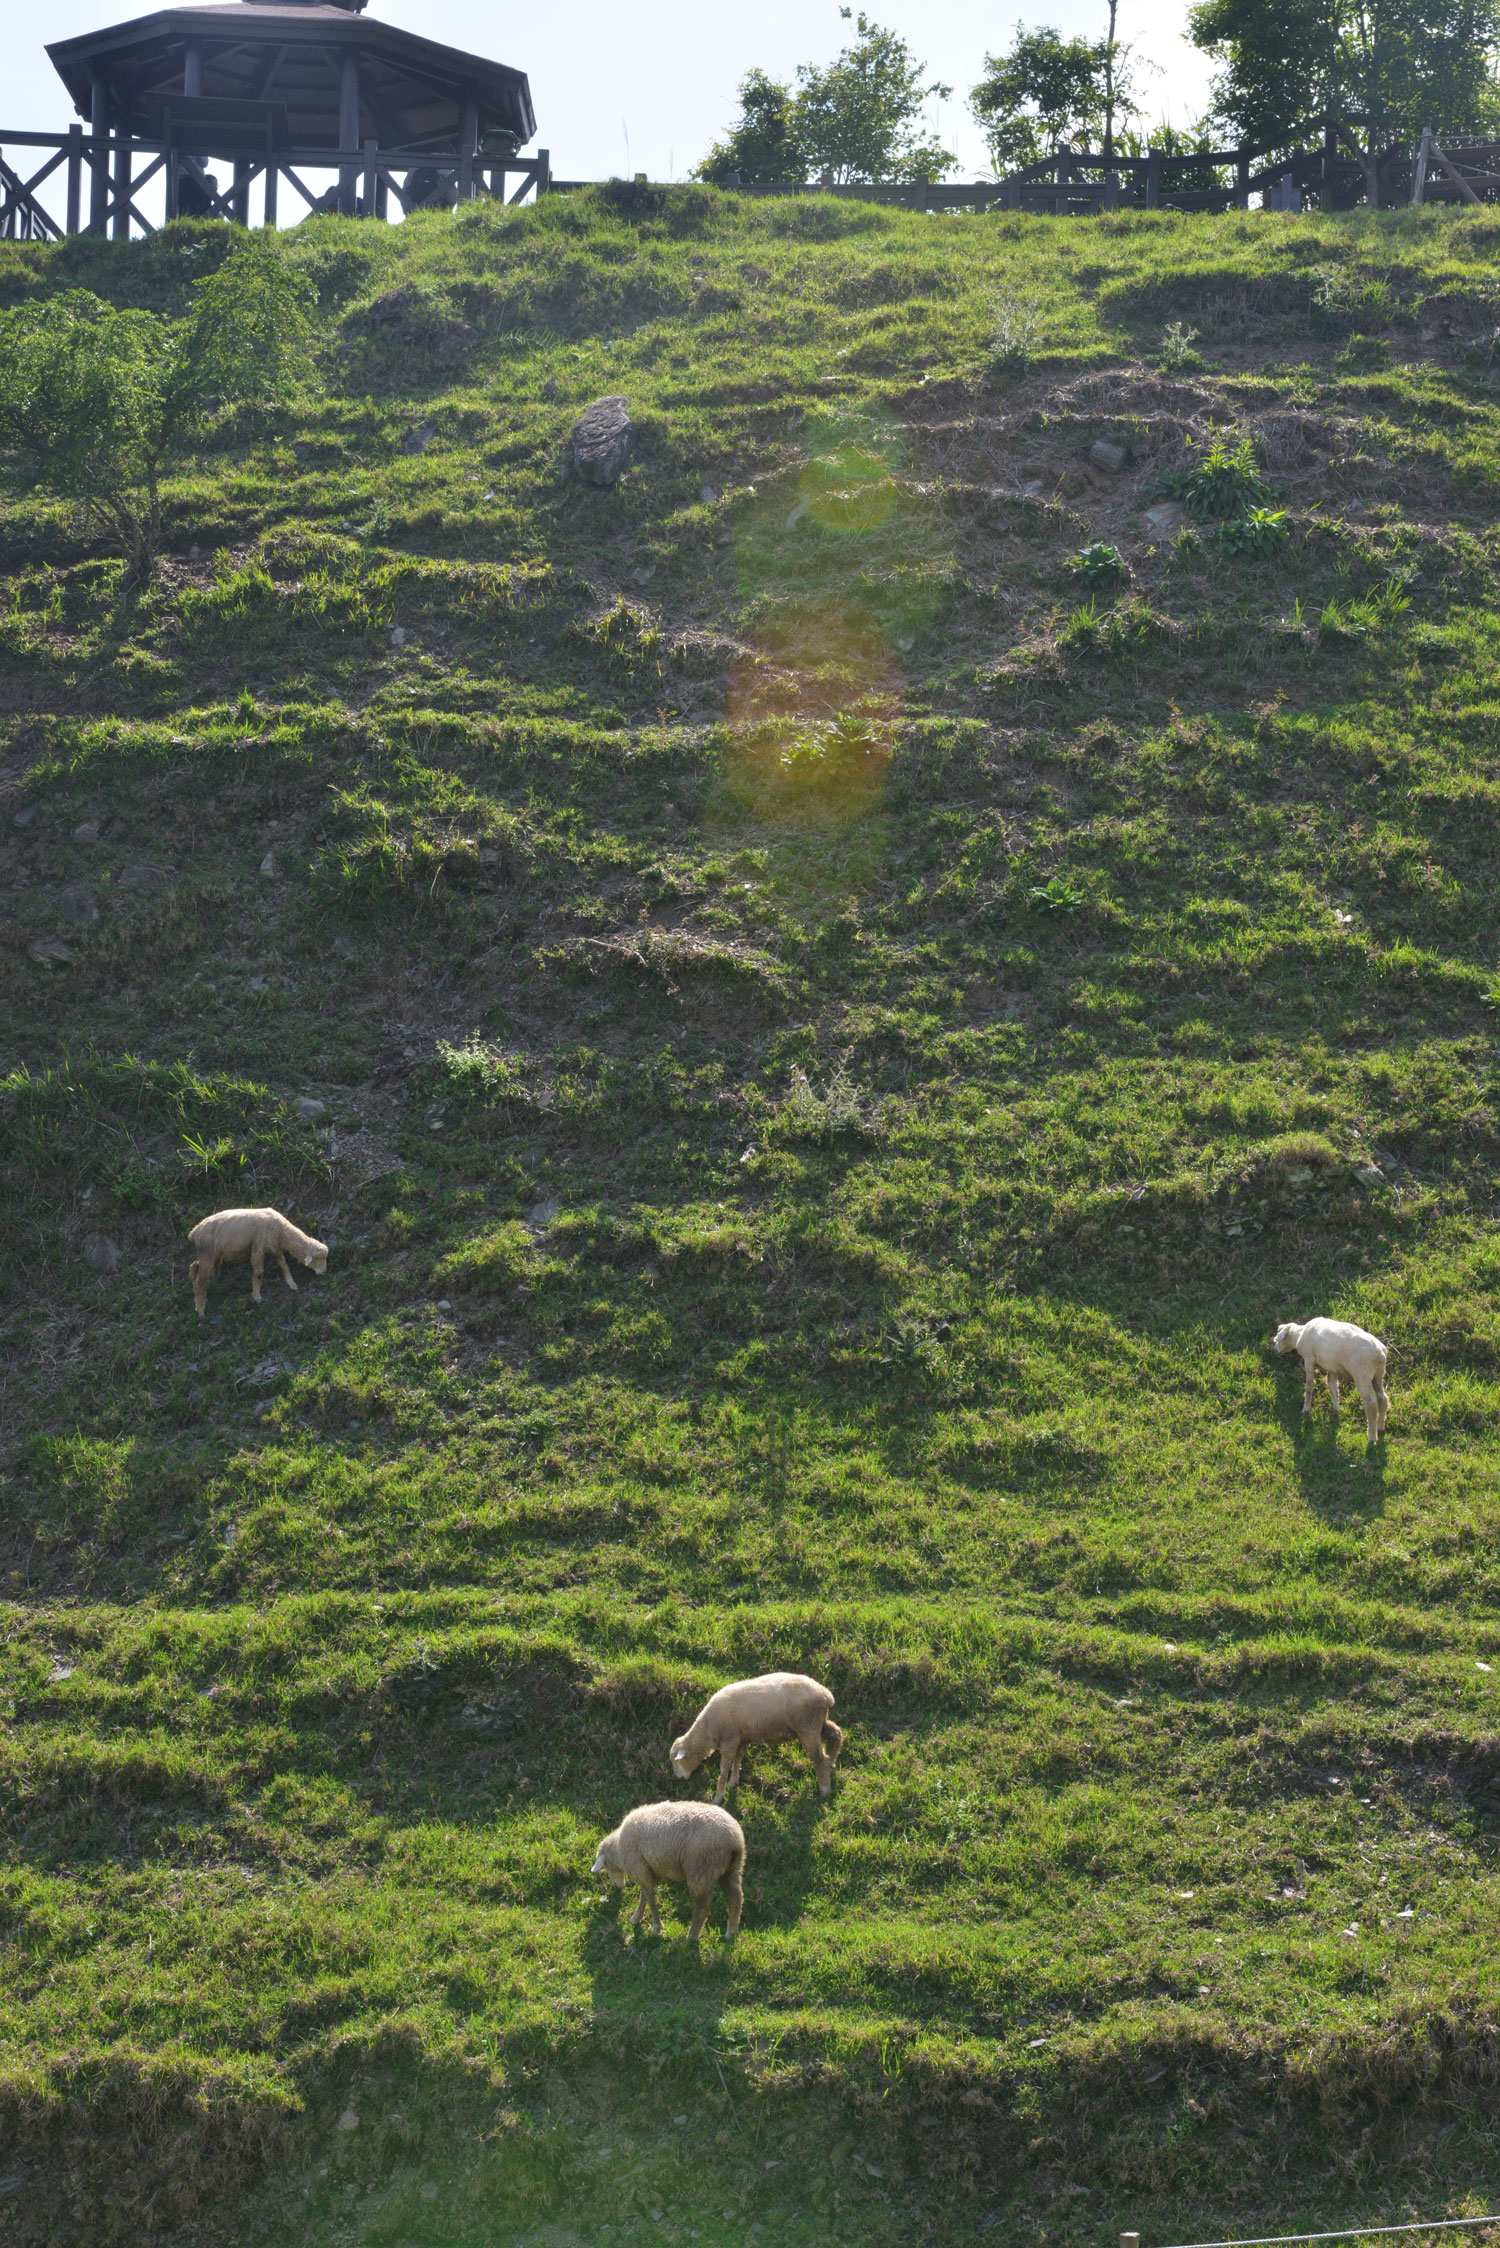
1334,1348
229,1236
782,1706
689,1842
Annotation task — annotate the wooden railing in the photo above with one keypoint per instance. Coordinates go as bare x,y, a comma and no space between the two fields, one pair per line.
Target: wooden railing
115,168
1339,170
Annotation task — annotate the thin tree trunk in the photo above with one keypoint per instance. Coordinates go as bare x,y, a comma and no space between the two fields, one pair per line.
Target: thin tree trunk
1109,86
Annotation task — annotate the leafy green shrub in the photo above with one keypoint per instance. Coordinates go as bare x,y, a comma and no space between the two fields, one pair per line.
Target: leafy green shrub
1260,531
848,744
835,1113
1082,627
1227,481
1175,352
1343,299
97,400
1099,564
1015,324
1058,895
1364,354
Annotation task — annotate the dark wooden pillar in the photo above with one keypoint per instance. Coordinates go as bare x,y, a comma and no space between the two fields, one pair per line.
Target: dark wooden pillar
239,200
99,157
543,170
348,131
1242,178
75,177
1153,179
273,177
468,136
1330,158
120,228
372,177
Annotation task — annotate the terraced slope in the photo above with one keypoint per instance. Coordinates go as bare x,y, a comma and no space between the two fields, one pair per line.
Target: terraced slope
822,1044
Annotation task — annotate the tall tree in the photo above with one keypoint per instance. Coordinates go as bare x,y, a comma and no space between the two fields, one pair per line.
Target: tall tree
1405,63
1047,90
860,117
762,142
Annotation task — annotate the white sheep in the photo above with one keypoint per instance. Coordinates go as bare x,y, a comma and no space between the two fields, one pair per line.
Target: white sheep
1334,1348
230,1236
695,1843
781,1706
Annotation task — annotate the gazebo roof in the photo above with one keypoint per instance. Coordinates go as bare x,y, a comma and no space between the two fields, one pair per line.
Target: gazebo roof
286,55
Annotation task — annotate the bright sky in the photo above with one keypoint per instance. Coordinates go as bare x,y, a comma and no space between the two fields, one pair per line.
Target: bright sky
661,74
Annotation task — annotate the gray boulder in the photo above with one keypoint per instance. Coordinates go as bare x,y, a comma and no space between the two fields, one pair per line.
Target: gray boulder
101,1254
603,439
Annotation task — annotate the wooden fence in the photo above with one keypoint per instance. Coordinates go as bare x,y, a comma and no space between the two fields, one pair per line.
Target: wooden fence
108,172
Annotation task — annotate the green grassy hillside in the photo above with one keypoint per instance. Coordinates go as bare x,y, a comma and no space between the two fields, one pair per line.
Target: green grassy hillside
822,1041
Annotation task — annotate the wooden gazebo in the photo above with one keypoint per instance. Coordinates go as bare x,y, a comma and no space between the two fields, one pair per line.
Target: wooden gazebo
276,87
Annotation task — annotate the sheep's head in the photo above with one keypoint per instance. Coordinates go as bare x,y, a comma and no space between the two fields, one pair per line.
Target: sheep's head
608,1861
1287,1336
684,1761
315,1256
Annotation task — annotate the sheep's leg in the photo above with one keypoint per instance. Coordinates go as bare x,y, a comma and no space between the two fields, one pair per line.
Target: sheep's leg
730,1753
257,1267
1372,1411
702,1901
1382,1401
812,1744
199,1276
646,1897
1309,1385
285,1271
734,1896
1333,1392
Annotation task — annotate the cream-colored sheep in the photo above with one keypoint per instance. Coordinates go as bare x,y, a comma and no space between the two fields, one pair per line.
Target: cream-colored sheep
1342,1352
230,1236
782,1706
694,1843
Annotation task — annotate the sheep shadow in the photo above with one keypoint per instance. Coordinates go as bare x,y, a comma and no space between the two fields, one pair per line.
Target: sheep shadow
1337,1480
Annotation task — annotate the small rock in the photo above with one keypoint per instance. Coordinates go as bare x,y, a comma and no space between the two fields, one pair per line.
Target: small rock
87,831
603,440
708,495
25,817
79,903
1033,488
1105,455
259,983
306,1106
1300,1177
58,1673
541,1214
140,878
417,440
1384,1157
268,864
398,636
101,1254
348,2121
443,1304
1166,516
428,2190
1369,1174
50,952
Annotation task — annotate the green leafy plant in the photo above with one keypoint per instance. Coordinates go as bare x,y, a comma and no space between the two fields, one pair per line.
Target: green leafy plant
846,744
834,1113
1099,564
1015,324
1364,354
1227,481
1258,532
1057,895
97,399
1175,351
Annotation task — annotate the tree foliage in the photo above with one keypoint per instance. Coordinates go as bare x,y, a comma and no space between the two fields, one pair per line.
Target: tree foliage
858,118
1407,63
1046,91
762,143
97,399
